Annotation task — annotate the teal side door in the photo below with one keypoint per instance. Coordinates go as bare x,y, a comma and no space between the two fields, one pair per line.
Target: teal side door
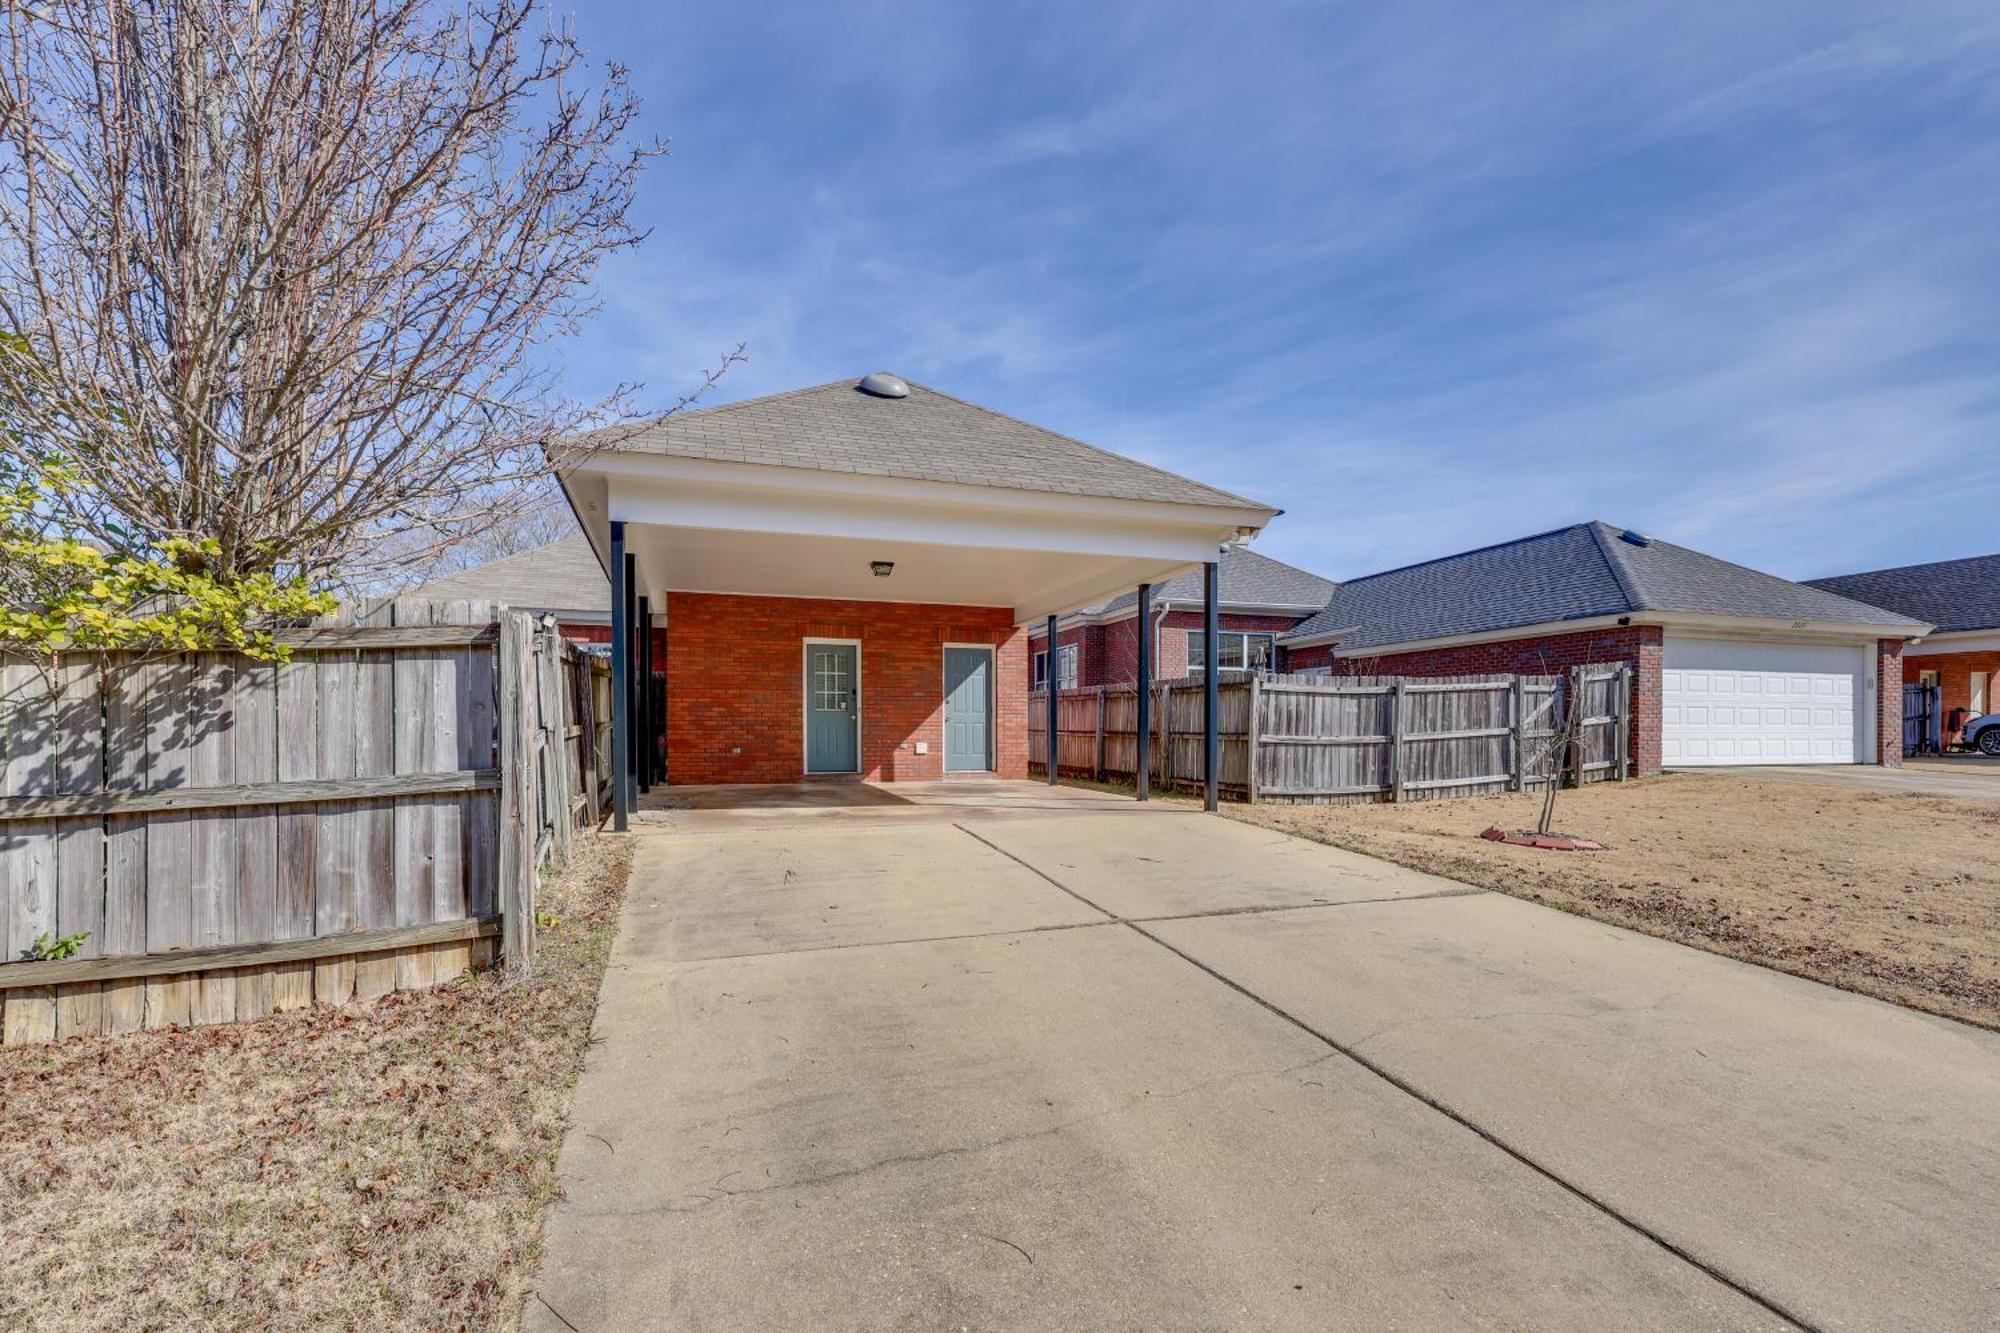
968,710
833,708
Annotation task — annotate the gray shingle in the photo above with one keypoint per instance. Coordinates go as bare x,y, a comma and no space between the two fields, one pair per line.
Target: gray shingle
1950,594
1572,573
928,436
1249,578
563,575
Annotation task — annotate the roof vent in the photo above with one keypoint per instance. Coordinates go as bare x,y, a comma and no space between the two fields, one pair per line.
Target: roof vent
1636,538
884,385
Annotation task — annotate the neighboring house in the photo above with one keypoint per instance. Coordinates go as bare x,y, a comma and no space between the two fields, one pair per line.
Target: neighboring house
1730,665
846,572
1961,656
562,579
1260,598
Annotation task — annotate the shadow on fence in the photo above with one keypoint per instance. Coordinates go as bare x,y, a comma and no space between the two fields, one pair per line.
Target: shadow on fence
1326,739
232,838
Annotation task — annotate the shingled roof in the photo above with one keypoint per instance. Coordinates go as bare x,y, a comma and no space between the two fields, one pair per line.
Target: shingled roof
1950,594
1573,573
926,436
1248,578
561,576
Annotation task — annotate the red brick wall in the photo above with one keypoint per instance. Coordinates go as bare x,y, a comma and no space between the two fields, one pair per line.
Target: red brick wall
1954,682
1110,656
1088,640
1889,702
594,633
735,681
1543,656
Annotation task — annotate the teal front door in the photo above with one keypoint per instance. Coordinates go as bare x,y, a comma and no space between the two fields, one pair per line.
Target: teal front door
968,710
833,708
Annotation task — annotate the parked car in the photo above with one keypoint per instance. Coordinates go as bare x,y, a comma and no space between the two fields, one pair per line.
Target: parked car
1982,733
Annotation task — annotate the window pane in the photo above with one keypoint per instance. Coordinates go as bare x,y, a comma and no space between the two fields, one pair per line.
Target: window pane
1197,650
1041,668
1231,656
1067,659
1257,651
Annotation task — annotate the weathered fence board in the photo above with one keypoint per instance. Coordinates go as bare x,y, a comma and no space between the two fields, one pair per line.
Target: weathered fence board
235,837
1306,738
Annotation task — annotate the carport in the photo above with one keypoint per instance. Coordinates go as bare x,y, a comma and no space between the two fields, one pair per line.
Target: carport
845,573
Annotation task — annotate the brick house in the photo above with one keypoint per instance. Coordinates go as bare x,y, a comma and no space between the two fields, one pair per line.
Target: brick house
1260,598
845,574
1730,666
1961,656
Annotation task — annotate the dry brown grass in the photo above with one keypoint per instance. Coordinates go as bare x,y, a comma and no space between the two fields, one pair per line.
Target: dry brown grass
376,1167
1891,894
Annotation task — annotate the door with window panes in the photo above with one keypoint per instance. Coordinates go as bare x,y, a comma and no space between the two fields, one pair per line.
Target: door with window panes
833,708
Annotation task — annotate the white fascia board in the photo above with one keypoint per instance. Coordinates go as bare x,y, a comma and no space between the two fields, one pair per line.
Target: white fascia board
861,516
1955,641
628,474
1758,627
1768,626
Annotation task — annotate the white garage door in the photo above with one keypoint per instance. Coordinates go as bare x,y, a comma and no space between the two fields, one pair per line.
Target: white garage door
1735,701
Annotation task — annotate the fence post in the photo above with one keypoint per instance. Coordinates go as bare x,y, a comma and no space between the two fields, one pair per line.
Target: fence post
1520,780
1250,738
1623,713
1100,734
517,860
1577,683
1396,739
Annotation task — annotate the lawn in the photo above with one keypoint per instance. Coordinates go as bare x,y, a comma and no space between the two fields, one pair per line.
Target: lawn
1887,893
375,1167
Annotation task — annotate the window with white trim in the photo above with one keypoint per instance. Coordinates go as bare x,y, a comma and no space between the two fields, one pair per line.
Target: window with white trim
1066,664
1239,651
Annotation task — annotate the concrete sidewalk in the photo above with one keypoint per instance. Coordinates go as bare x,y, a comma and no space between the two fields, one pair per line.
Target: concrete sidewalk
1093,1071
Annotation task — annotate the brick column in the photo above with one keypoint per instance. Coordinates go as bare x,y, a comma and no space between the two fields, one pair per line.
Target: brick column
1889,702
1646,701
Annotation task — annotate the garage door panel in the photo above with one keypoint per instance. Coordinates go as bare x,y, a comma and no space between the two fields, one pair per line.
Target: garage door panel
1751,702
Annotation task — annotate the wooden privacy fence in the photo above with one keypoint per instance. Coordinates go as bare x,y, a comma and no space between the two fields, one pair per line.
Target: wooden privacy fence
1351,738
234,837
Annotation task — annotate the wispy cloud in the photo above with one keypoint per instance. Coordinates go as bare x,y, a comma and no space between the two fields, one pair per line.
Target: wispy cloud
1426,275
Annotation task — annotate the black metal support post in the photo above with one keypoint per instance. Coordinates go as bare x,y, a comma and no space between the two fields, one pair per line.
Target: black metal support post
1141,778
1211,695
1054,691
621,685
631,777
644,621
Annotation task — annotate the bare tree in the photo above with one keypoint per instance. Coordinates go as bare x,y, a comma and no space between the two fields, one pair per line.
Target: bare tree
279,273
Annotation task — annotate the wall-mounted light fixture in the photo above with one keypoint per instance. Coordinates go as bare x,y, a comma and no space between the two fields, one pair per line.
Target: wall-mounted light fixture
882,568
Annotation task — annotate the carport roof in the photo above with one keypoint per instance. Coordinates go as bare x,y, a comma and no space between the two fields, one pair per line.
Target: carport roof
1951,594
1573,573
926,436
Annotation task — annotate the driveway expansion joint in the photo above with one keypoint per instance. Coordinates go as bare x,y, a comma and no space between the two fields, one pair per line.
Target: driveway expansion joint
1409,1089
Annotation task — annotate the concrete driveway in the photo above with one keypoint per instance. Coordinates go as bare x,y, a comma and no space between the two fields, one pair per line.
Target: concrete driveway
1040,1061
1974,776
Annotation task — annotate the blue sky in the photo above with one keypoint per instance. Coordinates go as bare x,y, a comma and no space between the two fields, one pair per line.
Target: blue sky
1425,275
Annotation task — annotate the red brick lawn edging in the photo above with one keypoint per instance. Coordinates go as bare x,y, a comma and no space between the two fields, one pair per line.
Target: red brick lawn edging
1550,842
